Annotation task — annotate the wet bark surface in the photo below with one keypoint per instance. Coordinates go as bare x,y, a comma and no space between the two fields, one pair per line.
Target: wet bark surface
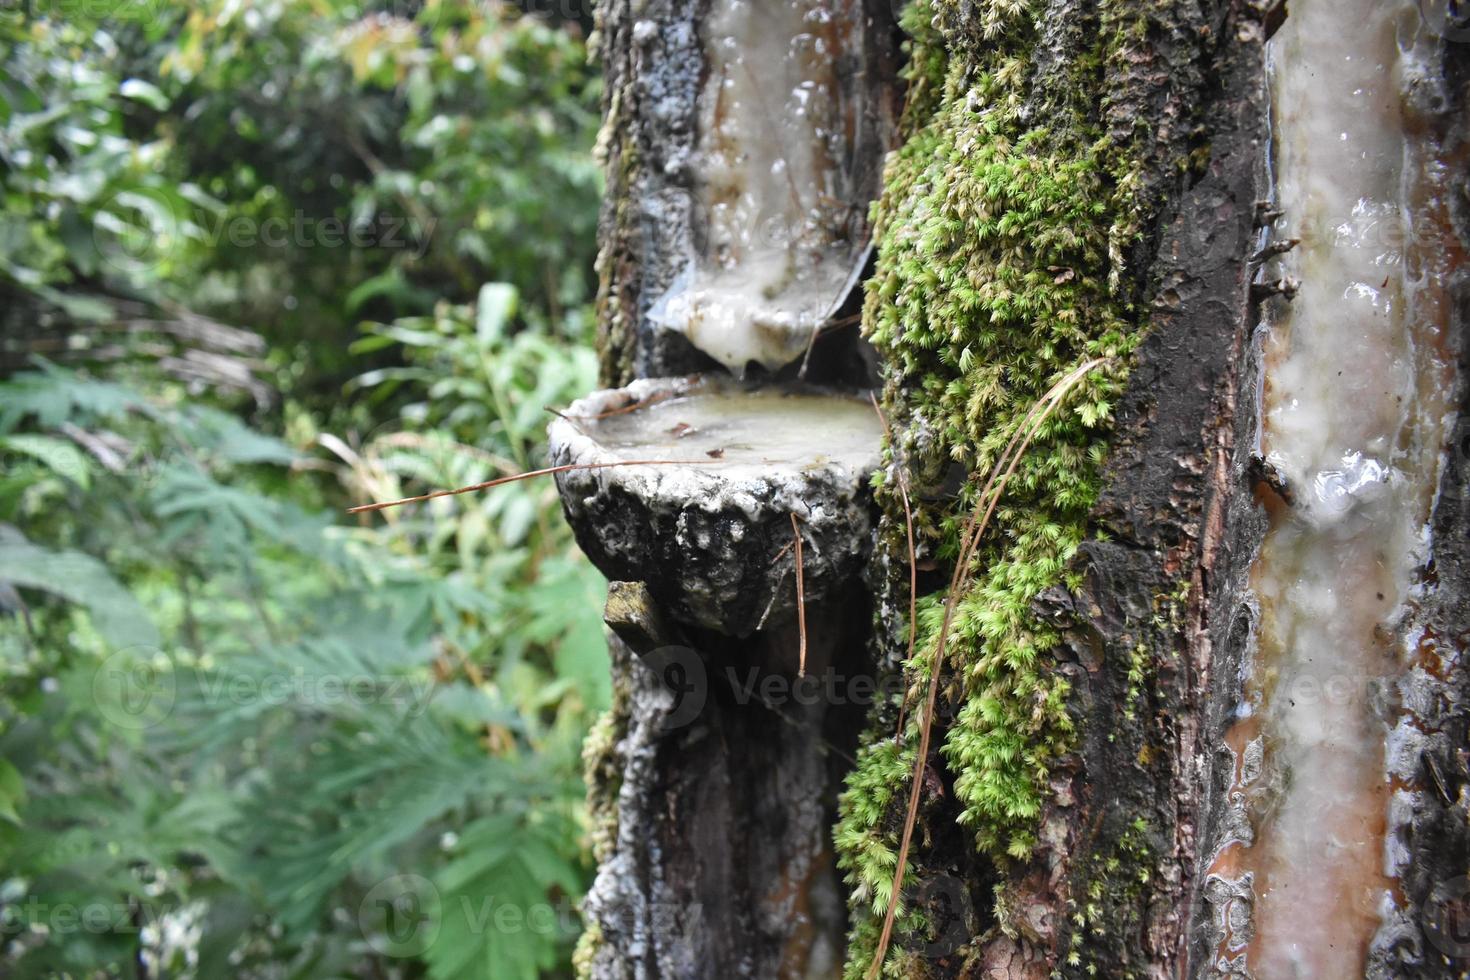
727,768
1430,815
653,209
1179,533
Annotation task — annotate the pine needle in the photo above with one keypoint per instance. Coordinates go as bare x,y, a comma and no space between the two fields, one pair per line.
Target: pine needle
800,598
974,531
654,399
565,468
908,523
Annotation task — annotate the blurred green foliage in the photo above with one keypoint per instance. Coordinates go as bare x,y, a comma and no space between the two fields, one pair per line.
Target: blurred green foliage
291,164
241,733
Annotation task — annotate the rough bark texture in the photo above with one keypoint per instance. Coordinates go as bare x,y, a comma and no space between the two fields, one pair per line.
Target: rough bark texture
651,90
1156,584
1430,815
718,796
716,553
1153,642
1109,885
714,777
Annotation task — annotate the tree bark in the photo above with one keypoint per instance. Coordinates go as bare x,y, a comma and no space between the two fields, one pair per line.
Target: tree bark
714,840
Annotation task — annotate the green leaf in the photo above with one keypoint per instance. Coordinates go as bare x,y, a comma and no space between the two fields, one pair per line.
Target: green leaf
12,791
145,92
499,923
60,456
54,395
493,309
81,579
390,285
233,440
78,306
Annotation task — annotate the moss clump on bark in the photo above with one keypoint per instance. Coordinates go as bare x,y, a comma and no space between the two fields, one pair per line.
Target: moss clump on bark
602,772
1115,883
1001,238
602,768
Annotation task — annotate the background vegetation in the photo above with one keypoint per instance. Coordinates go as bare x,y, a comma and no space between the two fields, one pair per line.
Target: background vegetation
261,260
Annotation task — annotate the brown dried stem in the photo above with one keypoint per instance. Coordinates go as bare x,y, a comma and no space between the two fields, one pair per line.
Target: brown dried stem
565,468
800,598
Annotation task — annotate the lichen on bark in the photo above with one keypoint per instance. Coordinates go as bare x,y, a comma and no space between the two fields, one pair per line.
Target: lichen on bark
1006,238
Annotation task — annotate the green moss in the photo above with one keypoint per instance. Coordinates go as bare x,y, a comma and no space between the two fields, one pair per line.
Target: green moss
1001,236
1167,619
602,769
1113,882
587,944
617,334
602,772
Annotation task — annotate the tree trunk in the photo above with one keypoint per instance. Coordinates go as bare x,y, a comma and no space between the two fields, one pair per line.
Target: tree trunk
1112,768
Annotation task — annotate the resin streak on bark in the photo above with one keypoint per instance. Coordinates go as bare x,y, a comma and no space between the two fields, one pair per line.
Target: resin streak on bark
1357,396
706,240
1357,401
783,174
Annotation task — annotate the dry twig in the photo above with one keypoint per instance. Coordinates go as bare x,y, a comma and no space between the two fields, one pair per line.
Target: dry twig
564,468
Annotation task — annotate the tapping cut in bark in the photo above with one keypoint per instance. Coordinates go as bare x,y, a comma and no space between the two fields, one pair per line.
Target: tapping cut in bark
744,141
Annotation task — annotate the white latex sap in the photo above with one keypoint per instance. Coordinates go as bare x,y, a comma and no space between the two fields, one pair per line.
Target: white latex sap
765,434
775,171
1355,403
